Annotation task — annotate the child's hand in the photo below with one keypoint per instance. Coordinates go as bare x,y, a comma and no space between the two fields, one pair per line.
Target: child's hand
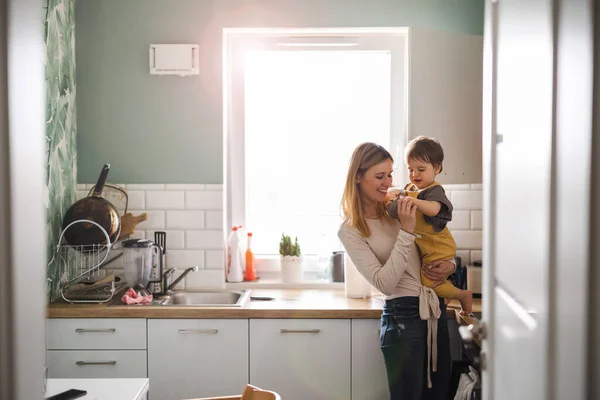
392,193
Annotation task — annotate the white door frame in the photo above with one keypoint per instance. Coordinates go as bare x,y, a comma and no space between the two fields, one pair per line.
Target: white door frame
572,365
22,214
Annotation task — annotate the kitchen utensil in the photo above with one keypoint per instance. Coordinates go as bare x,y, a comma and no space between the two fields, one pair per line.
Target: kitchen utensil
160,238
139,254
117,196
156,287
94,208
129,222
336,266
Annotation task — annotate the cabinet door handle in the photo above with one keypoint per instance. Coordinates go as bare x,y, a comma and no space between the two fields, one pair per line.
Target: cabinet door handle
96,363
300,330
80,330
198,331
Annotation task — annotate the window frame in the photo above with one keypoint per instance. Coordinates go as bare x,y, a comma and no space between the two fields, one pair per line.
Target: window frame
238,40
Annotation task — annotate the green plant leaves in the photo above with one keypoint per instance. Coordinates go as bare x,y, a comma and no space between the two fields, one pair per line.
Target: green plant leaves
61,125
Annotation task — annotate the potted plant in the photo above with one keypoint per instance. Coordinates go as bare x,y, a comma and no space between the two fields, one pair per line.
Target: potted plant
291,259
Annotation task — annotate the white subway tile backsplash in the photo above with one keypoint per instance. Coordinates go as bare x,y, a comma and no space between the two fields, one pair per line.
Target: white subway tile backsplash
467,240
138,234
80,194
151,186
185,219
215,259
206,240
467,199
476,220
156,219
175,239
213,186
192,216
184,186
214,219
137,199
457,186
204,200
165,200
460,220
80,186
205,279
465,256
185,258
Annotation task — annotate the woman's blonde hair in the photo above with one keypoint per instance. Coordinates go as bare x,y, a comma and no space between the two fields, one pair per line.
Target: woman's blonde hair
364,157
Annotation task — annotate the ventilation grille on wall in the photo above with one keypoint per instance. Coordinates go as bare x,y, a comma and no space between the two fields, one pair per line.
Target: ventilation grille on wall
174,59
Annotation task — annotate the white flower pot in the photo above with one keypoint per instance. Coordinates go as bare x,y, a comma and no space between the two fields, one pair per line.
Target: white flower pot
291,269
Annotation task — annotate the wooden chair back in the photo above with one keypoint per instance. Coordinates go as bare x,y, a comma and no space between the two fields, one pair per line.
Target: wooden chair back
250,393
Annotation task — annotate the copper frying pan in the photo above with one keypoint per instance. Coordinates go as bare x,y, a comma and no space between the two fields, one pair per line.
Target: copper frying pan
94,208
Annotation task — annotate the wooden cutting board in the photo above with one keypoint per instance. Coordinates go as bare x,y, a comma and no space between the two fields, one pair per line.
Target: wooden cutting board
129,222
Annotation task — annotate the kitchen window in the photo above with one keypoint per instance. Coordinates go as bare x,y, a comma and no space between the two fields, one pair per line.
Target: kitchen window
297,102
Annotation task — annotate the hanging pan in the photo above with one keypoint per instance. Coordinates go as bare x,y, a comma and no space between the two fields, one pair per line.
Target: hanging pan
92,208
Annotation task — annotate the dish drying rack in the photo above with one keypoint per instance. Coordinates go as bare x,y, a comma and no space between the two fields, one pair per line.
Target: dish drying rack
80,280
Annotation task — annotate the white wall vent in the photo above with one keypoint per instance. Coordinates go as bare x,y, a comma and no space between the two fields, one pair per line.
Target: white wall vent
174,59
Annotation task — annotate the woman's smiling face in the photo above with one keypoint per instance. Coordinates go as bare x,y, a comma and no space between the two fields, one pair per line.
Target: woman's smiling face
375,182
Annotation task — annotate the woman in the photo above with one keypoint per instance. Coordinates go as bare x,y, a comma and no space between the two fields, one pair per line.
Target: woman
384,252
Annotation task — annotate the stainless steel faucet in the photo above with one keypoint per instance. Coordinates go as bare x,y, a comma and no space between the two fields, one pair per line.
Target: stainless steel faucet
168,274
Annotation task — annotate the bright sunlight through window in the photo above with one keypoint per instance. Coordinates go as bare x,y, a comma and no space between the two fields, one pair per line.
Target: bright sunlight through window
305,112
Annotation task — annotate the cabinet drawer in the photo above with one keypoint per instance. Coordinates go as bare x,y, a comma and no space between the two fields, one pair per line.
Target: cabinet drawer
95,333
96,364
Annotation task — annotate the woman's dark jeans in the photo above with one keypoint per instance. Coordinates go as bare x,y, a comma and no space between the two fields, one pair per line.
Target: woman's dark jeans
403,341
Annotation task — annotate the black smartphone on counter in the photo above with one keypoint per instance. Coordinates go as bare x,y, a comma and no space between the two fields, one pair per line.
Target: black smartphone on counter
68,395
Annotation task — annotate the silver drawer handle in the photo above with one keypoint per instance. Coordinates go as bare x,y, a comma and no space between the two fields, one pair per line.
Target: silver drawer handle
79,330
96,363
300,330
198,331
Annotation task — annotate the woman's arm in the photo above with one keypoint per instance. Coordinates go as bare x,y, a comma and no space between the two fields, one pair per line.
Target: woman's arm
439,270
383,277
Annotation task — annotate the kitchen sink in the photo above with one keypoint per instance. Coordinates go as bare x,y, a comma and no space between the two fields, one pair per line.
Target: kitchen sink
222,298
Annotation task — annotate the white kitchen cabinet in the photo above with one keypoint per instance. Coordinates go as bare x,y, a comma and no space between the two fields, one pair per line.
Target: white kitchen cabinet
301,358
369,377
96,348
96,363
189,358
445,85
96,333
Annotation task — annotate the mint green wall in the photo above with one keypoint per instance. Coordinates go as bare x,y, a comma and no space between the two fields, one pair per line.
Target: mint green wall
61,122
169,129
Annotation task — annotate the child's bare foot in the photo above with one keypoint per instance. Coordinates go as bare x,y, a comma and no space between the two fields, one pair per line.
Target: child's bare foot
465,297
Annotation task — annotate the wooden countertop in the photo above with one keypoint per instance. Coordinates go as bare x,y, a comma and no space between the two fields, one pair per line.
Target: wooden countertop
288,303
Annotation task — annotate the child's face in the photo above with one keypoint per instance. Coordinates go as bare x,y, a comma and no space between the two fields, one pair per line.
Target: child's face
421,173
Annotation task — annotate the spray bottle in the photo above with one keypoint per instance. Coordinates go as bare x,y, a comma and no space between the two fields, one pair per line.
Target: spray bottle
234,257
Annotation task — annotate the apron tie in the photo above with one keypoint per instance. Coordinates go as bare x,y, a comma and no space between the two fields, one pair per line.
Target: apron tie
429,309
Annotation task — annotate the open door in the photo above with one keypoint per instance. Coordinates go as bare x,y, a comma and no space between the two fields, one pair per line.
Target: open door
537,132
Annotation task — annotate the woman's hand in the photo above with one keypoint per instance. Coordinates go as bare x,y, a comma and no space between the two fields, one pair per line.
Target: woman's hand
438,271
407,214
